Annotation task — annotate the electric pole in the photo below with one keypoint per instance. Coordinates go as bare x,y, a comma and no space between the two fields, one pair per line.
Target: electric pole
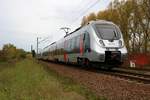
31,48
37,45
38,42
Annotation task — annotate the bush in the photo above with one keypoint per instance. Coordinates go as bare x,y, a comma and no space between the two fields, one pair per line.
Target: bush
10,52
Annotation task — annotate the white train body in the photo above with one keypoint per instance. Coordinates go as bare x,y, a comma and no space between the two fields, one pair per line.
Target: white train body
97,42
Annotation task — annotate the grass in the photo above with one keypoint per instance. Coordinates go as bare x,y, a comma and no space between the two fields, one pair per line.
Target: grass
28,80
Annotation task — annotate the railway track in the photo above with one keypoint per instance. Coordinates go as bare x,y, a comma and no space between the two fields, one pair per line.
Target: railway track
145,70
125,74
130,75
142,73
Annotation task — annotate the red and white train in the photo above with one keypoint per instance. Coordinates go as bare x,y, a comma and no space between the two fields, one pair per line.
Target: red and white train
100,42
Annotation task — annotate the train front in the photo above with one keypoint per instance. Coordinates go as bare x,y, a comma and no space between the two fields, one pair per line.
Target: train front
108,43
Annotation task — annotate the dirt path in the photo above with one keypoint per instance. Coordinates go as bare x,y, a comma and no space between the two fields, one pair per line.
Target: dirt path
104,85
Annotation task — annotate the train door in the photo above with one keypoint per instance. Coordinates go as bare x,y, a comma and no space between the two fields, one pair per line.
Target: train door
84,50
86,43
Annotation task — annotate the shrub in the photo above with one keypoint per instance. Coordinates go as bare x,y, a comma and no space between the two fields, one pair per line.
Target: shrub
10,52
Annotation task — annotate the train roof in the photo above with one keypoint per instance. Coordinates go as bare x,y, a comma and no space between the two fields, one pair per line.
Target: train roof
72,32
49,45
101,22
91,22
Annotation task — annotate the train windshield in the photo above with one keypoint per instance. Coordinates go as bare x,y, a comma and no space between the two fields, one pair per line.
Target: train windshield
108,32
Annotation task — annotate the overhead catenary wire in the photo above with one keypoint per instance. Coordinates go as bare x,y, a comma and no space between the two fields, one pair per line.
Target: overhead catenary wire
81,14
44,39
80,9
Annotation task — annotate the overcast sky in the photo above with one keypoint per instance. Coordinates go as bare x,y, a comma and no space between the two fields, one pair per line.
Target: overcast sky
21,21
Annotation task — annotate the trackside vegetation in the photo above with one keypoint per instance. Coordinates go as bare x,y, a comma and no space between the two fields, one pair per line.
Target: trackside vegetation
10,52
28,80
133,18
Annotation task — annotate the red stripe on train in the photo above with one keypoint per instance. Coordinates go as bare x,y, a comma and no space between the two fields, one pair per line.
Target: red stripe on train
65,57
65,54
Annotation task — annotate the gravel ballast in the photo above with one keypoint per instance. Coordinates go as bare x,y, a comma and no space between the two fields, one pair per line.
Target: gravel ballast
104,85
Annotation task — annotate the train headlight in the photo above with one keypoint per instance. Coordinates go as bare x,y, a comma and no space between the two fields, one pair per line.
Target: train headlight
120,43
101,42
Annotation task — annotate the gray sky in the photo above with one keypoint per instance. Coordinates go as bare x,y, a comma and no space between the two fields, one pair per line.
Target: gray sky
21,21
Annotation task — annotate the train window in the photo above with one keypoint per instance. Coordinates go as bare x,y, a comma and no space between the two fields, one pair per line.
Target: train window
56,50
73,43
61,49
68,45
65,45
78,42
107,32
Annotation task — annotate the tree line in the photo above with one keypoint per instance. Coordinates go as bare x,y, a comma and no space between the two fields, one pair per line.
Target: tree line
133,18
9,52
